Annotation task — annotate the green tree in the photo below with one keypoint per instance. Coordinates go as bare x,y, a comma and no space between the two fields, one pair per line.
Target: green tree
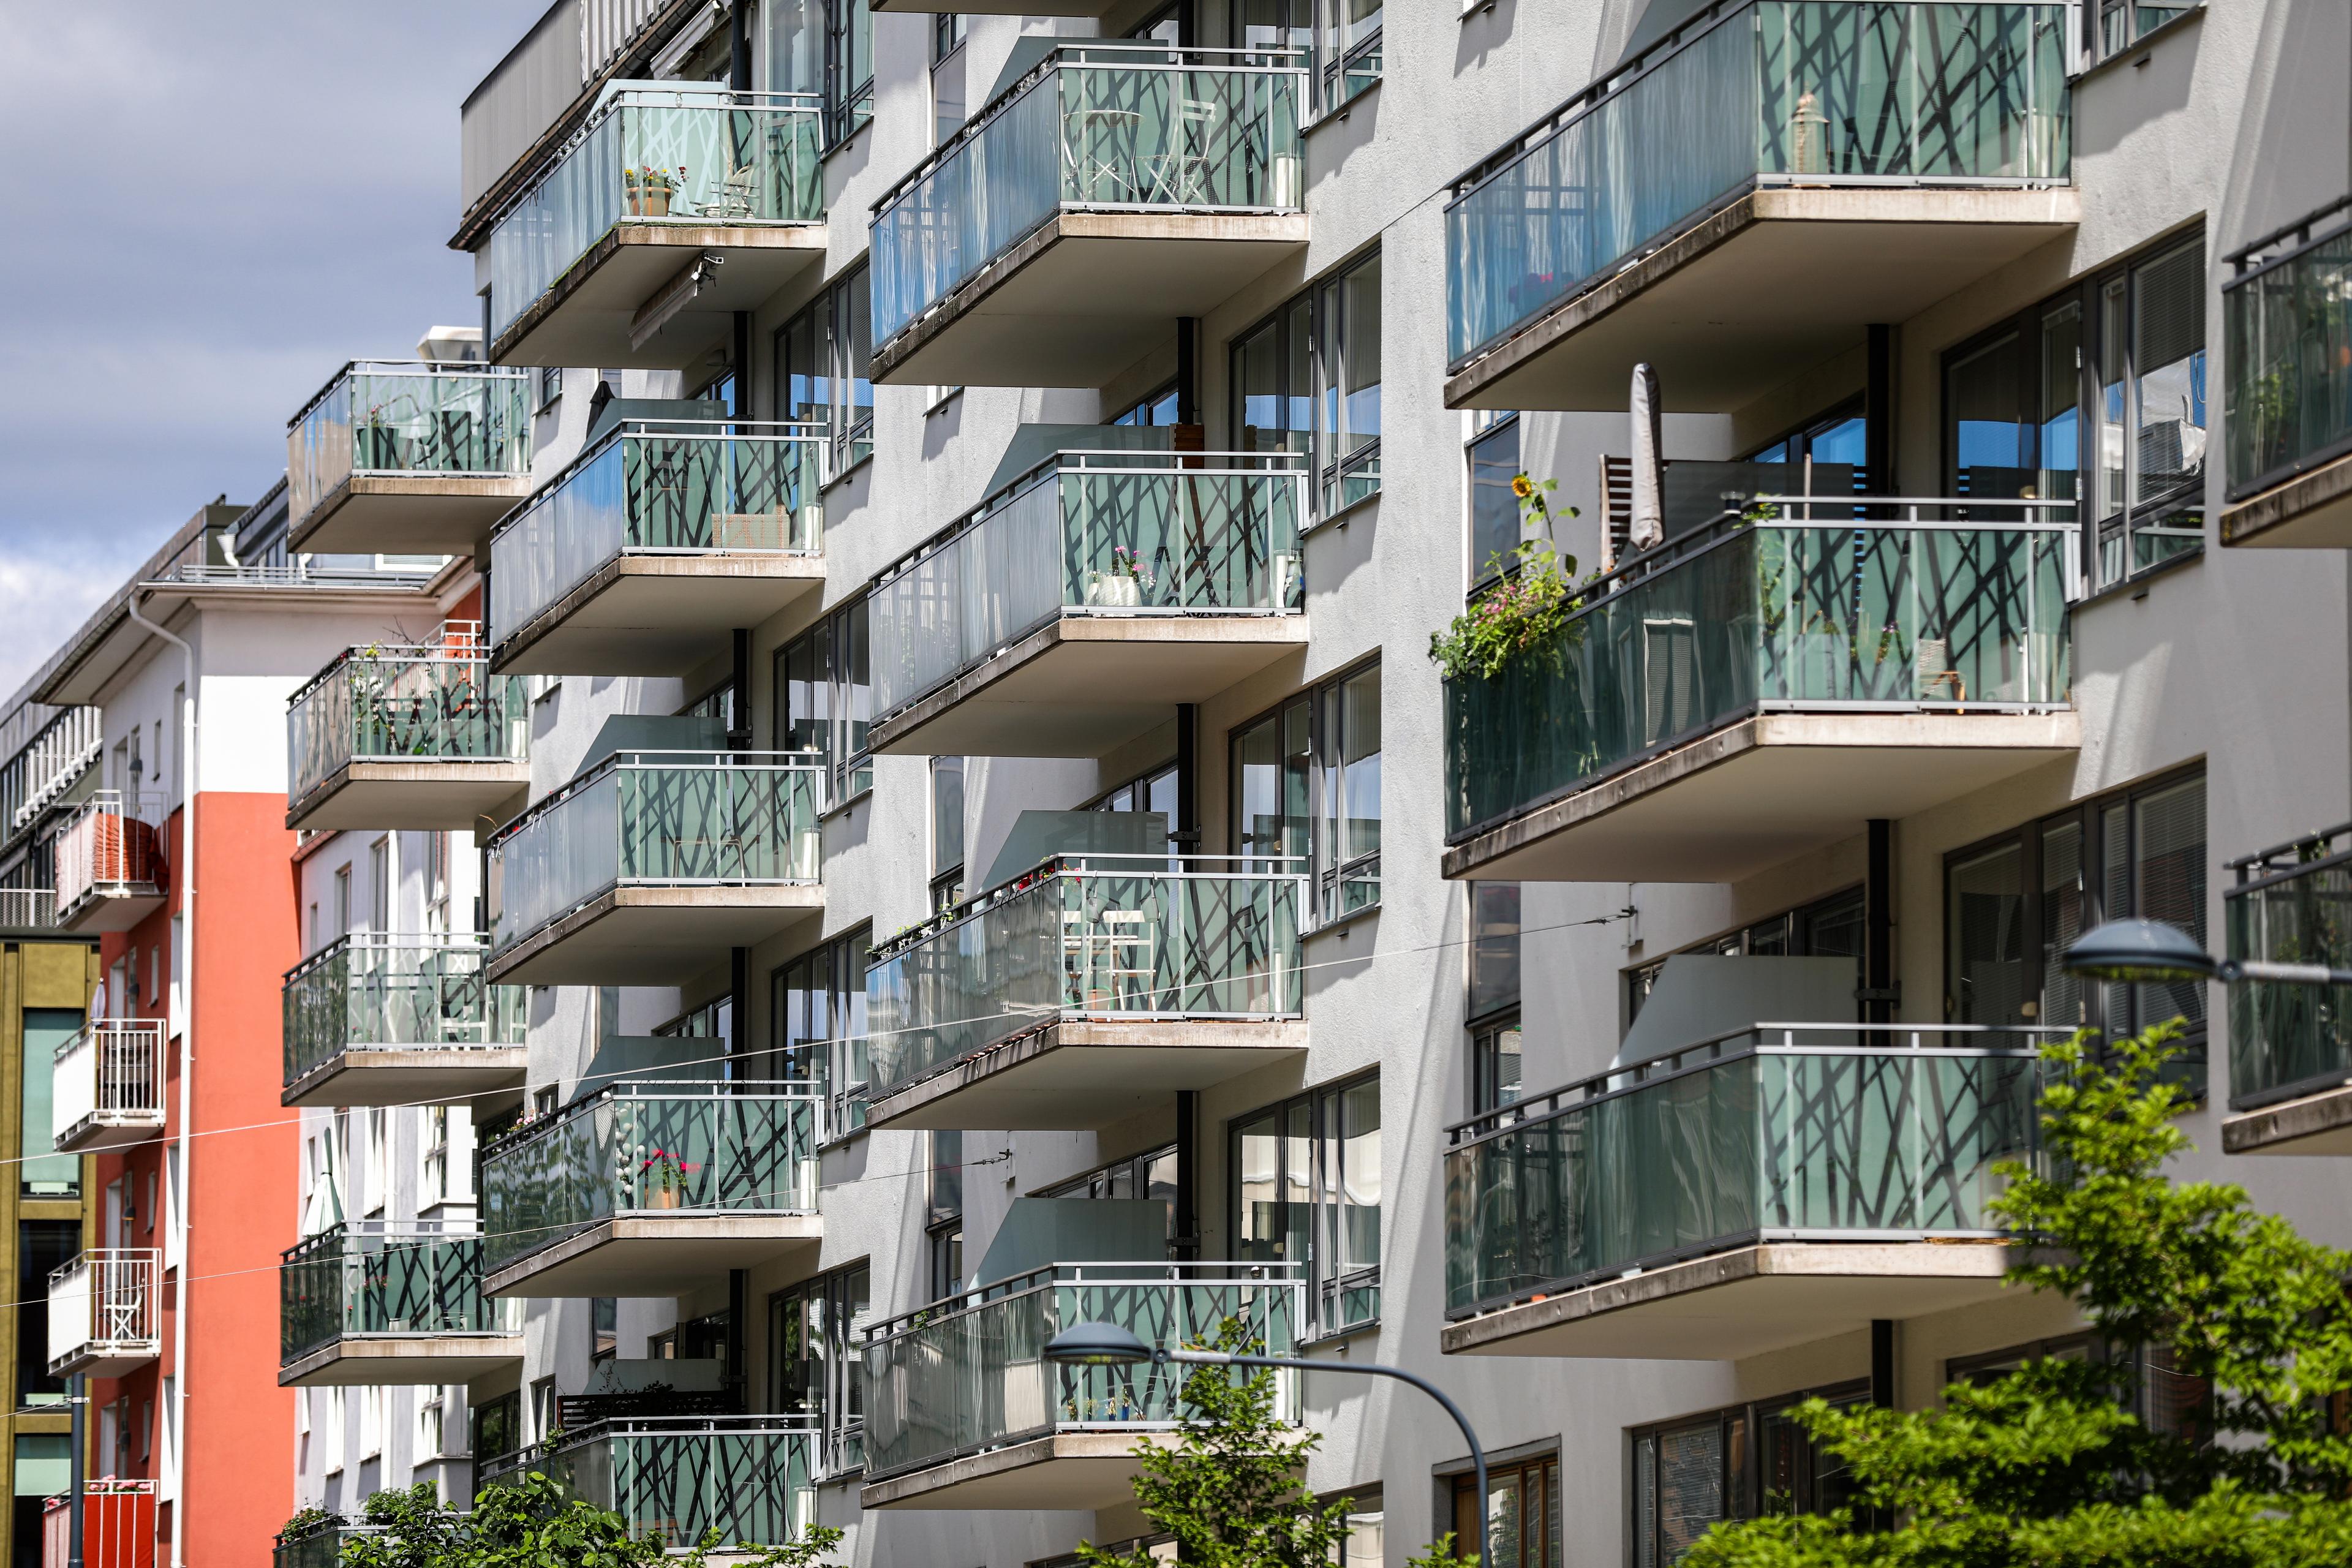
531,1521
2048,1466
1229,1490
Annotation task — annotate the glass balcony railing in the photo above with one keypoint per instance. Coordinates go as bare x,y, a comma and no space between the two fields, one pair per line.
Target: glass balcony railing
317,1543
1091,534
969,1374
377,991
688,154
370,1279
1092,936
1786,1133
378,704
665,819
655,1147
408,419
2291,905
1791,610
658,488
751,1478
2288,317
1765,92
1121,127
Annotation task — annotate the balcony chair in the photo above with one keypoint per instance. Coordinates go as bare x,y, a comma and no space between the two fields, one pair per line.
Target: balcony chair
1186,175
736,196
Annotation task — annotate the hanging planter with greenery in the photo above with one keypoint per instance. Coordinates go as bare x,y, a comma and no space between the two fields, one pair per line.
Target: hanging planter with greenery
1529,614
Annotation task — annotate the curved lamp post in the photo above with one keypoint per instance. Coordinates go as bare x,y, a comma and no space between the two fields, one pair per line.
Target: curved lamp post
1108,1344
2152,953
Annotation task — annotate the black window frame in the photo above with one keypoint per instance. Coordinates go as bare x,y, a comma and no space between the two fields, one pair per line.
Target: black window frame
1309,341
1792,934
846,1296
834,1057
843,732
1741,1451
1326,1293
1330,877
830,340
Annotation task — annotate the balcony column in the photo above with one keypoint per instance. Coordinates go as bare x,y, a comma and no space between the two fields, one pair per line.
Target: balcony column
1878,993
738,1310
1188,363
738,78
1878,412
1188,1175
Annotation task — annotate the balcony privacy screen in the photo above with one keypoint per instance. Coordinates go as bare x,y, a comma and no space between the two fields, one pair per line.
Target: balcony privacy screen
2291,906
1097,533
1780,91
699,1149
1135,127
2289,400
958,1379
1105,936
377,992
369,1280
1710,626
658,488
669,819
750,1477
470,422
1822,1133
655,154
402,704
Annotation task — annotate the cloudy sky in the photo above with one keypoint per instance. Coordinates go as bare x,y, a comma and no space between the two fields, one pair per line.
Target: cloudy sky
211,207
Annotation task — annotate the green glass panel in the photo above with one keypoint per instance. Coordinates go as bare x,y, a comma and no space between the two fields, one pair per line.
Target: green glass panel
379,991
2288,404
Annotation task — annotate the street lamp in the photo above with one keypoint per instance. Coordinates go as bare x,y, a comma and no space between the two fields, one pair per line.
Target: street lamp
1109,1345
2150,952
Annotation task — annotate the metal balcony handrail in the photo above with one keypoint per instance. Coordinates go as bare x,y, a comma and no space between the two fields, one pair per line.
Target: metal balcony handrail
337,1239
100,1030
1129,1274
1751,1041
772,432
451,369
2284,862
656,760
387,653
726,1090
1265,867
365,940
2318,226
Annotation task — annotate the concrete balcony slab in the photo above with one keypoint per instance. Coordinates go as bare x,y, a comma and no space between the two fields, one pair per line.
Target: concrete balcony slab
394,1360
2310,512
655,614
654,935
454,795
1079,1075
644,297
658,1253
411,1074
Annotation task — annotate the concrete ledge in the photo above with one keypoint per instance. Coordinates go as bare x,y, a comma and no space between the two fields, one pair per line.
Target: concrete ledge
447,793
585,316
1085,296
1735,304
1082,1470
1086,1074
1760,791
407,514
654,936
1765,1295
111,1130
1084,685
410,1075
654,1252
2309,511
2317,1123
655,615
115,910
390,1361
107,1360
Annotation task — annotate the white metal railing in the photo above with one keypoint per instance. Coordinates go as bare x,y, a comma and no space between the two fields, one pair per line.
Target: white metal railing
110,1074
107,848
104,1302
28,907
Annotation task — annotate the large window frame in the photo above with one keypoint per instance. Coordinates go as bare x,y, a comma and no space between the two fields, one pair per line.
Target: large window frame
1309,750
1491,1007
1521,1517
1316,1146
825,700
1342,38
1827,927
817,1021
1763,1462
1149,1174
814,1366
1305,378
823,370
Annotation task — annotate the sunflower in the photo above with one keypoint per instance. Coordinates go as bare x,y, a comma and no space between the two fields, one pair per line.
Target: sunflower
1522,486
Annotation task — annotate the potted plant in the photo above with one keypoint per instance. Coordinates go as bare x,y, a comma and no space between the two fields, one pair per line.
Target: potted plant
648,190
1119,586
662,1179
1526,615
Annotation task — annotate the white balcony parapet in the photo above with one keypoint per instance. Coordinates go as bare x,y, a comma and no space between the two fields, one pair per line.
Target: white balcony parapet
104,1315
109,1086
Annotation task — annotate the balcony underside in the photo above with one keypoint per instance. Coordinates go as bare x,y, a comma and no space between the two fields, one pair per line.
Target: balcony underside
391,1361
2309,511
111,1130
619,291
654,936
111,1359
1760,792
647,1253
2318,1123
1085,297
1096,8
1067,1471
655,614
1732,1305
455,794
412,1075
1777,282
1085,685
407,514
118,906
1080,1075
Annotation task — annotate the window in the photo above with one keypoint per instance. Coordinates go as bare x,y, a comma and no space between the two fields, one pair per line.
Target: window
433,1172
1496,1076
371,1422
1156,410
714,1020
1306,1180
604,1328
815,1362
547,386
821,360
544,1421
824,699
1341,37
1307,380
337,1416
947,831
42,1246
820,1027
42,1173
1155,791
2014,904
379,1159
1495,528
2164,1399
2121,356
380,885
946,1214
1739,1463
1829,928
432,1422
497,1426
951,90
824,47
436,883
2120,23
342,901
1149,1175
1307,785
1839,439
1522,1515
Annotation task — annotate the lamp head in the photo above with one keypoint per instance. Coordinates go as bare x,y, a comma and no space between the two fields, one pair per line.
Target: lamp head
2142,952
1096,1344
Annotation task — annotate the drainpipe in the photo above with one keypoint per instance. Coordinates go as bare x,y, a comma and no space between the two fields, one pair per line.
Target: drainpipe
187,867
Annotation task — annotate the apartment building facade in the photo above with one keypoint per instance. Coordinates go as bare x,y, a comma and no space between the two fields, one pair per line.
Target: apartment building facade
950,826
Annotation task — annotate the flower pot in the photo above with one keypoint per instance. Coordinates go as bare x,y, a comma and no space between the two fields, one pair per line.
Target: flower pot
1113,589
663,1198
